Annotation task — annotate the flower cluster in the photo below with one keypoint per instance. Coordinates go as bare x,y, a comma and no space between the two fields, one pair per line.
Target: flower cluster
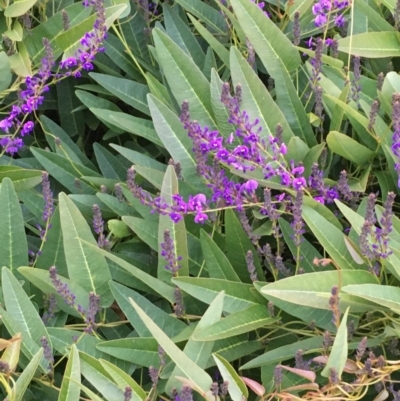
32,96
322,9
374,241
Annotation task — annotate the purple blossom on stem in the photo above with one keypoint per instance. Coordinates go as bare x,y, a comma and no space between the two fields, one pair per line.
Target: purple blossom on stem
61,288
296,29
297,223
128,393
98,226
47,352
51,308
250,266
396,132
355,83
179,307
47,196
169,254
90,315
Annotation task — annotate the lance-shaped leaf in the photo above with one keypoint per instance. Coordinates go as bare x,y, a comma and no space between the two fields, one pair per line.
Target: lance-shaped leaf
14,247
330,237
177,231
199,351
85,266
18,305
256,99
237,295
26,376
191,370
217,263
124,380
70,390
185,79
338,356
252,318
174,137
236,388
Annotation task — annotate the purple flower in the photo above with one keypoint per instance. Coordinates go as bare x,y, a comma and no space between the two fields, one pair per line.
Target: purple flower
340,21
62,288
47,196
27,128
175,217
169,254
69,62
299,183
320,20
201,218
90,318
250,186
6,124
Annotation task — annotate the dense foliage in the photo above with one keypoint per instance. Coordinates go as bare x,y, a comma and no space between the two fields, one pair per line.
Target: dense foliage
199,200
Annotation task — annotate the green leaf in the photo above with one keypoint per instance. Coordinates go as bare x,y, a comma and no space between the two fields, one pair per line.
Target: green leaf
256,99
41,279
22,179
272,46
175,139
338,355
70,391
249,319
154,285
177,231
14,248
146,230
53,248
371,44
205,13
215,44
26,376
139,158
180,32
124,380
185,79
5,79
21,308
197,350
217,263
238,296
134,125
141,351
314,289
53,131
330,237
220,112
19,8
237,389
348,148
169,324
85,265
307,251
382,295
98,376
200,379
109,165
238,245
131,92
64,170
280,354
